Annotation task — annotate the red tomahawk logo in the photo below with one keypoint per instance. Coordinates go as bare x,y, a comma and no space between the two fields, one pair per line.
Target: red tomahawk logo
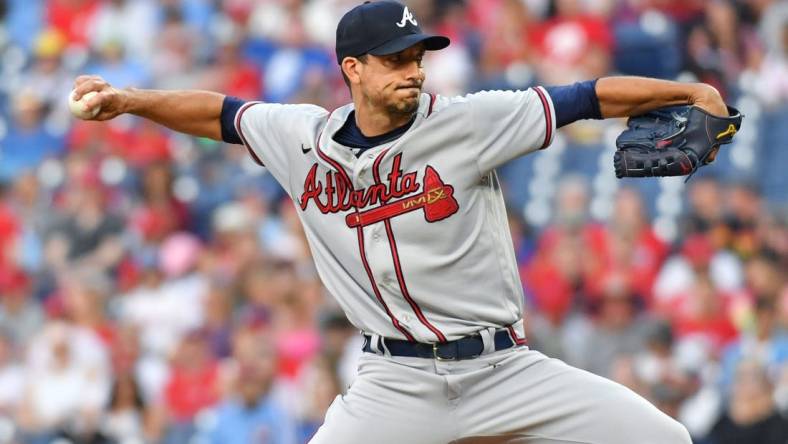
437,200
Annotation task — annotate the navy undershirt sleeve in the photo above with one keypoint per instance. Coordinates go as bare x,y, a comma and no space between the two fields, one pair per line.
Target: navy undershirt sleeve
574,102
230,108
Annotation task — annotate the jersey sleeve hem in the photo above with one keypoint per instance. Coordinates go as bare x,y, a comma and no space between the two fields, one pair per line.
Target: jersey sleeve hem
549,114
239,129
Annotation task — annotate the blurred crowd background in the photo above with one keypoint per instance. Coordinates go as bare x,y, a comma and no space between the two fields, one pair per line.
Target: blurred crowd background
156,288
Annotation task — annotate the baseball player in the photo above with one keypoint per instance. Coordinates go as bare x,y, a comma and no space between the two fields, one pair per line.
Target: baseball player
404,215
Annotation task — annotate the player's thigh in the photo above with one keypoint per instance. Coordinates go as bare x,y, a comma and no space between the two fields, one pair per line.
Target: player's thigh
544,400
388,403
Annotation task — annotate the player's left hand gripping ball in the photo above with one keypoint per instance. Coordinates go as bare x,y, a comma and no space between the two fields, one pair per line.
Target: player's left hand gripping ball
79,108
673,141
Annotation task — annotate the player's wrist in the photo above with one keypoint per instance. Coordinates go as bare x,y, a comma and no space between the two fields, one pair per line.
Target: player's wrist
129,100
709,99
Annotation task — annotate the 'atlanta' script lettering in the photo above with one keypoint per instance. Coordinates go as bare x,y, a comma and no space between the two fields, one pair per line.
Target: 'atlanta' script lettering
334,194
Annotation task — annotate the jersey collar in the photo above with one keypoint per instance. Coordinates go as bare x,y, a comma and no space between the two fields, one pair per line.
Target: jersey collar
336,154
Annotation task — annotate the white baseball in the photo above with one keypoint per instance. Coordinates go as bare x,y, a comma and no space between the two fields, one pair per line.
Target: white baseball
79,107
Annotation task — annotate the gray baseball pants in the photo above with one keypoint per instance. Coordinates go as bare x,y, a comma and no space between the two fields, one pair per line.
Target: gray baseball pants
510,396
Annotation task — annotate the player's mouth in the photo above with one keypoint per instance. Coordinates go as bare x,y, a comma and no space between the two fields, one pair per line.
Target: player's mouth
410,92
416,87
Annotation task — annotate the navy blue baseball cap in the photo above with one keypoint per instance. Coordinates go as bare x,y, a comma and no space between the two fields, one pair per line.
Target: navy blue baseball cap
381,28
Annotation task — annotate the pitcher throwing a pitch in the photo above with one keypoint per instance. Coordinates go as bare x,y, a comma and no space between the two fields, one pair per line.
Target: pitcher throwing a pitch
401,205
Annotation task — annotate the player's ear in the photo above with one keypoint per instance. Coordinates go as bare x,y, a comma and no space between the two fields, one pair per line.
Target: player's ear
351,68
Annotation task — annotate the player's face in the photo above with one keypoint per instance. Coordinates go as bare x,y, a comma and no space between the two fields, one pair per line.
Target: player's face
393,82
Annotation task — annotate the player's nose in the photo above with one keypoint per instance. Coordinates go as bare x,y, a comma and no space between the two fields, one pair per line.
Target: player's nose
414,72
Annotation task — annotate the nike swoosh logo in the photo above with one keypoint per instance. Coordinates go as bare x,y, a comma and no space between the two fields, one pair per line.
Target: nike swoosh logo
305,150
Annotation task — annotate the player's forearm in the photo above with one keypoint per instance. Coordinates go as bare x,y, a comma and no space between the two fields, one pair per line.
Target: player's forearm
630,96
192,112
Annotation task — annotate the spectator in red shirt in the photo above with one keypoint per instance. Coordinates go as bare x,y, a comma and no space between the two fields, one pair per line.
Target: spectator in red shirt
232,74
274,298
633,247
704,313
71,17
193,386
507,41
572,45
160,213
9,230
570,255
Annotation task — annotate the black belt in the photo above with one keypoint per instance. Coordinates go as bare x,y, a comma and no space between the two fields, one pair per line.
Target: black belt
464,348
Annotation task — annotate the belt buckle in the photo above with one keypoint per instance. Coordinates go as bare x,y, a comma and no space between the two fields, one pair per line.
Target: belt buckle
436,355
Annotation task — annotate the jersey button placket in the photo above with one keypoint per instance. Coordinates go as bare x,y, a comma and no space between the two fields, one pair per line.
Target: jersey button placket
362,176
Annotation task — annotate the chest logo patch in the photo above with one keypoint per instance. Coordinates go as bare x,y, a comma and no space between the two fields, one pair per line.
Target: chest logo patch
402,194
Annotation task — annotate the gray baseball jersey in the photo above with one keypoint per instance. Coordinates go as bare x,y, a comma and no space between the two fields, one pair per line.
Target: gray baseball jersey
411,237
